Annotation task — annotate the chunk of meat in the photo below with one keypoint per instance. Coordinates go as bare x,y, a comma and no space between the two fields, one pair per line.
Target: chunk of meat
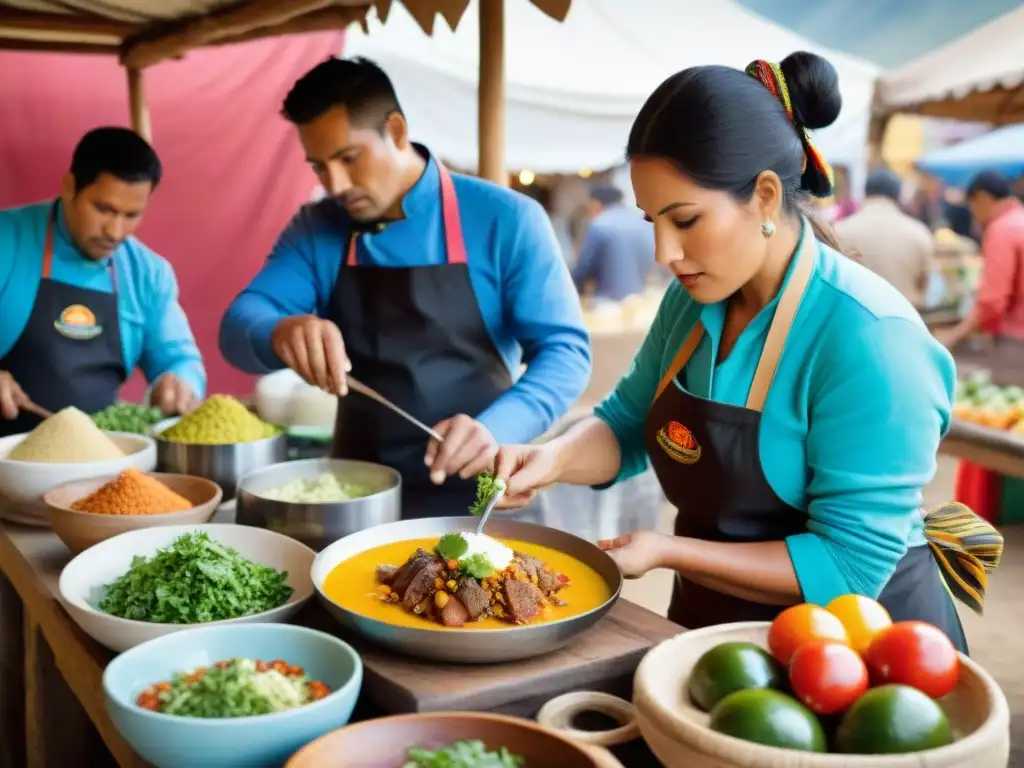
454,613
549,582
522,600
409,570
422,584
386,574
531,565
473,597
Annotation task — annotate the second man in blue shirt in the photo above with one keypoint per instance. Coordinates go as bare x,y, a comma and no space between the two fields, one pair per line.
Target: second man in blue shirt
431,287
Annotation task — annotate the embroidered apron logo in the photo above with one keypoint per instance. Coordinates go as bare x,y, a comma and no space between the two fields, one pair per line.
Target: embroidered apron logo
78,322
679,443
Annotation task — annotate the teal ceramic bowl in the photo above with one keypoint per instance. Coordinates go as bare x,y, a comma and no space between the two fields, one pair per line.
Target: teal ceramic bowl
263,741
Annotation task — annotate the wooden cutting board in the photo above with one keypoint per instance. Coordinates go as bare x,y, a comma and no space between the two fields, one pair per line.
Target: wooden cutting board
602,659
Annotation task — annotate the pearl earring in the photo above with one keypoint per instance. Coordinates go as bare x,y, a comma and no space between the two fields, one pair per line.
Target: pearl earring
768,228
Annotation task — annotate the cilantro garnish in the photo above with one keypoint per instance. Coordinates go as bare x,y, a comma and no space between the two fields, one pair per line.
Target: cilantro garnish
451,546
477,566
194,581
463,754
486,488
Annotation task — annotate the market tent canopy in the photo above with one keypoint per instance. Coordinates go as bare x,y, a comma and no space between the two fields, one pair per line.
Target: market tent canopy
144,32
573,89
1001,150
979,76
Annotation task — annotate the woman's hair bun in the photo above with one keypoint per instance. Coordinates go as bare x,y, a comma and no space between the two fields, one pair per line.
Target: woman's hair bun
813,89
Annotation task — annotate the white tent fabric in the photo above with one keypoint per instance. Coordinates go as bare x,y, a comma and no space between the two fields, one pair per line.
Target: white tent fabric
574,88
989,57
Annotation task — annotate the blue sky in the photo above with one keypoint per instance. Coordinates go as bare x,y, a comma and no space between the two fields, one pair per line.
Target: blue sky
887,32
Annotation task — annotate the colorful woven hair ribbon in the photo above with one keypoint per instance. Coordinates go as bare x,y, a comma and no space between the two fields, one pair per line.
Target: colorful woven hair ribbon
966,548
770,75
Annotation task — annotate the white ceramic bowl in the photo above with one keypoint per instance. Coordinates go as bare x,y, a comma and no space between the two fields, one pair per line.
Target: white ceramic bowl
84,580
23,483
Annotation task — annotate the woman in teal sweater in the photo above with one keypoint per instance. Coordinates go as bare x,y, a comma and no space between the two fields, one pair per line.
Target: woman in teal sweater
790,401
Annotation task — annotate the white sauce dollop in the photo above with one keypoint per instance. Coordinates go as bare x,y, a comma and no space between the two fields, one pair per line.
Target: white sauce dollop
496,553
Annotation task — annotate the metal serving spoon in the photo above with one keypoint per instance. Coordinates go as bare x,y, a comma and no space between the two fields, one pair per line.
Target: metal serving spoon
495,498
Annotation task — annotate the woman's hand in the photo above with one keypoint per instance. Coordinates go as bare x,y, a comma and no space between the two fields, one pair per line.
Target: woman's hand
638,552
526,469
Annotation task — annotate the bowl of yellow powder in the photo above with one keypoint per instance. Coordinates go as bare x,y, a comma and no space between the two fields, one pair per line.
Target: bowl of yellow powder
86,512
67,446
221,440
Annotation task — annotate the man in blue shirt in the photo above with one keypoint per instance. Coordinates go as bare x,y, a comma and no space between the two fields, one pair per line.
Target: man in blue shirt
82,302
617,252
431,287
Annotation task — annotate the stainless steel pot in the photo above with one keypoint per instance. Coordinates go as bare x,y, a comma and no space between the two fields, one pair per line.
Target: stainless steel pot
468,646
223,464
320,524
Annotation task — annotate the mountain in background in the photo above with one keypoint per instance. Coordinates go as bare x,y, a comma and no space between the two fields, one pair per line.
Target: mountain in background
886,32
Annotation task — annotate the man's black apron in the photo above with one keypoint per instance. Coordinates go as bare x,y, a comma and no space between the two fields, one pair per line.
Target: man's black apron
707,459
416,335
70,350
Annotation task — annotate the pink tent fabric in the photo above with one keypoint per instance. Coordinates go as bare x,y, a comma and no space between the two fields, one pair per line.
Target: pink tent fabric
233,170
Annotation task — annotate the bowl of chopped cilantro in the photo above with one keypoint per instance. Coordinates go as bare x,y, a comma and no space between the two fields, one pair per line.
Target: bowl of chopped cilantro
151,582
448,740
231,696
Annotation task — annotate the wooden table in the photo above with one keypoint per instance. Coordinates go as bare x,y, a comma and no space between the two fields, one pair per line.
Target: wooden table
994,449
45,657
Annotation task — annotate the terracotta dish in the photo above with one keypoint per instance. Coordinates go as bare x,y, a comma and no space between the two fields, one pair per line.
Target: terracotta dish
384,743
81,530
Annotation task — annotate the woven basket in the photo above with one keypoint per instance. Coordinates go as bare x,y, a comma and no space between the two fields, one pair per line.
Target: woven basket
678,733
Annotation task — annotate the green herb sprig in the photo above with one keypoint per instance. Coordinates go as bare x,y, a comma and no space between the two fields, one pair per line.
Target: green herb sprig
196,580
463,754
486,488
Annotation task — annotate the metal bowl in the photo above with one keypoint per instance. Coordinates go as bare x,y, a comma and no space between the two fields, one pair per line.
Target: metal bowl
318,525
468,646
223,464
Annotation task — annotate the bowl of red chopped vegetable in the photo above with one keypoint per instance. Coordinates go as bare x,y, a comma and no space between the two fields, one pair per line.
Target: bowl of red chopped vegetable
232,696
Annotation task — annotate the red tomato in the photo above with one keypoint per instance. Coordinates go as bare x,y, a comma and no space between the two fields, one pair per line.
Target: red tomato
802,624
917,654
827,676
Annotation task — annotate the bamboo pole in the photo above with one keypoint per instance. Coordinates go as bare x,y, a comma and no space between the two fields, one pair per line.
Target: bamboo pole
137,103
491,93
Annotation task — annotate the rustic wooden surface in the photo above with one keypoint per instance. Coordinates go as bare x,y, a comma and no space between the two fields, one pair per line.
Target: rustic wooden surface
602,659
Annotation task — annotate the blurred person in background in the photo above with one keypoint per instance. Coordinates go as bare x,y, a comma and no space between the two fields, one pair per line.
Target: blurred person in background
999,306
616,249
842,203
82,301
429,286
887,241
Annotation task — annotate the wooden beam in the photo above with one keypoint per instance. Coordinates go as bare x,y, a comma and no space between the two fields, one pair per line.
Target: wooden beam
180,37
491,93
65,22
327,19
138,106
50,46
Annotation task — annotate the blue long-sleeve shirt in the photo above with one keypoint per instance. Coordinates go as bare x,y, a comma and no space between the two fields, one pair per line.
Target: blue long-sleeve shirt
521,282
155,334
617,253
849,431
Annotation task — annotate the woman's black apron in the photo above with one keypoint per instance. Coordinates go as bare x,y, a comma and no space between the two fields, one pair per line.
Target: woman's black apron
707,459
416,335
70,350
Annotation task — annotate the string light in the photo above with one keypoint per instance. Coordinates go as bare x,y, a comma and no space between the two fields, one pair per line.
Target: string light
526,178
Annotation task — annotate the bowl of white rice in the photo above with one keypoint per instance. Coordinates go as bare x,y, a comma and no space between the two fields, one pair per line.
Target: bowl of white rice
66,447
318,501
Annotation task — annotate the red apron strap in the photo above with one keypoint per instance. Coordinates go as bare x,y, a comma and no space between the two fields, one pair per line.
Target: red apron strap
454,243
48,243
